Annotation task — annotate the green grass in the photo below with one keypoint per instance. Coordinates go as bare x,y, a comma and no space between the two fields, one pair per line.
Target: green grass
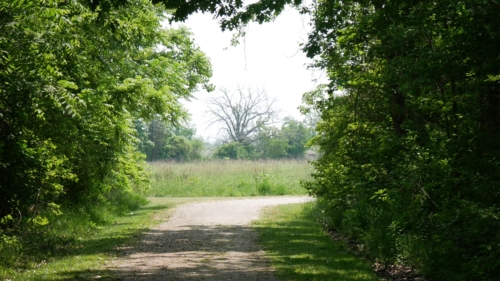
229,178
300,250
80,247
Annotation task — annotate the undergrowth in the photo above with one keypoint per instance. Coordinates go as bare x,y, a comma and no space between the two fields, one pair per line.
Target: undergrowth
88,229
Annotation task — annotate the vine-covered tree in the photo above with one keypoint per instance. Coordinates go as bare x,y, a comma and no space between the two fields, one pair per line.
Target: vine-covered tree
297,134
289,141
161,140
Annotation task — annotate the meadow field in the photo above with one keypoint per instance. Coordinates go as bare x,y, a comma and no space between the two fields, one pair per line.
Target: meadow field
228,178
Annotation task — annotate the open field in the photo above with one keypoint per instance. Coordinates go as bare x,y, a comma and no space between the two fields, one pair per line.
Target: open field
229,178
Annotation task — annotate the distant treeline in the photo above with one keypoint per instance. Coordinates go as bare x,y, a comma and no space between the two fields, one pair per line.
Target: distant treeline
160,140
289,141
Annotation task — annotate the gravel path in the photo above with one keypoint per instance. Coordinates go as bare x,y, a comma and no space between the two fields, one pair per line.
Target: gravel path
203,241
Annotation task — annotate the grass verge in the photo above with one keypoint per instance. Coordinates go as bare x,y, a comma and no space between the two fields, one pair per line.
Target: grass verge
300,250
82,250
229,178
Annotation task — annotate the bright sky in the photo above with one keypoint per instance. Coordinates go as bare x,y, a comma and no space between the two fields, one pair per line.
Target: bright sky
269,58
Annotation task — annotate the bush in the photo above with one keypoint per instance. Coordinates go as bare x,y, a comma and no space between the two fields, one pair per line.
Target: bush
264,187
232,150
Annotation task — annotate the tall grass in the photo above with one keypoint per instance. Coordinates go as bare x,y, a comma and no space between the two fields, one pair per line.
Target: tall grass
75,233
229,178
25,246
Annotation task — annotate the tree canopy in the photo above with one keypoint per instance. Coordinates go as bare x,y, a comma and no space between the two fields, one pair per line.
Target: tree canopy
71,85
161,140
409,130
270,142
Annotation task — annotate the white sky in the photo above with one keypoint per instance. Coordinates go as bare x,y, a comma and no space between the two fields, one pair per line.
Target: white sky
270,58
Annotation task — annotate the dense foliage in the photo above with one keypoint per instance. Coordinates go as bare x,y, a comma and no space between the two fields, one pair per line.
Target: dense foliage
72,81
289,141
161,140
270,142
410,130
231,150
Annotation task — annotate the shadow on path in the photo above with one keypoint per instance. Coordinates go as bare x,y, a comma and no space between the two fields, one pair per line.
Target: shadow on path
202,241
190,252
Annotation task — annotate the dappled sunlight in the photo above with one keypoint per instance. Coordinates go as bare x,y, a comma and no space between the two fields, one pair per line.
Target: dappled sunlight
300,250
194,252
202,241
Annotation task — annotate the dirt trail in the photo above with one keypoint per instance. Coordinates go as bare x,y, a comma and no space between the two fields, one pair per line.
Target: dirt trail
203,241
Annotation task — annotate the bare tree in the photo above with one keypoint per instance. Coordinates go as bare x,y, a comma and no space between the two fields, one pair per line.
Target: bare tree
243,113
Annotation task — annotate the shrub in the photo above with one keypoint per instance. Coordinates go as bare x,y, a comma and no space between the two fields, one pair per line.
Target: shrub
232,150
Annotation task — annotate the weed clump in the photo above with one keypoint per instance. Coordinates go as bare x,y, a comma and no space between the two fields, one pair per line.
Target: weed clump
264,186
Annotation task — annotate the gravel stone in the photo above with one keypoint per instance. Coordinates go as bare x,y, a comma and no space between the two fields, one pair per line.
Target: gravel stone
203,241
